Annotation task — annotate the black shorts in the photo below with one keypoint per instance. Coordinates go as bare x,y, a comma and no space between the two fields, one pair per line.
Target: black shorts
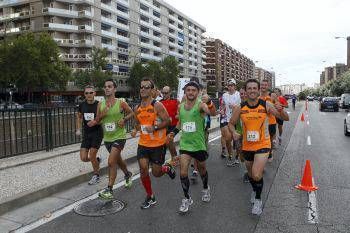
249,155
92,139
155,155
279,121
119,144
170,129
200,155
223,124
272,130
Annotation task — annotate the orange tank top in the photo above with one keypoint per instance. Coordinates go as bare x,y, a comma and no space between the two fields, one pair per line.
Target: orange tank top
272,118
255,126
147,116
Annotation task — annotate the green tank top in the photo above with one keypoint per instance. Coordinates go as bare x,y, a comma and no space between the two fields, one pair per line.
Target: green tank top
111,130
192,126
239,129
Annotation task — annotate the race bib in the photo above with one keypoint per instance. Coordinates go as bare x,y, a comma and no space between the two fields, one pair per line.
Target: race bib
143,129
189,127
89,116
253,136
110,127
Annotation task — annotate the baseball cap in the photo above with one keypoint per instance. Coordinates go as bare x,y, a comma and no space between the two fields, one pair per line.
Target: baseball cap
231,81
193,84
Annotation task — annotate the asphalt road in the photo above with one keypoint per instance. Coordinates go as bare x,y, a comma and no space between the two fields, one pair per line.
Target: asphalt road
285,208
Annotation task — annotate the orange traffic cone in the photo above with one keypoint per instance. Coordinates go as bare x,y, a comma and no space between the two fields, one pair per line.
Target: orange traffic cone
302,118
307,183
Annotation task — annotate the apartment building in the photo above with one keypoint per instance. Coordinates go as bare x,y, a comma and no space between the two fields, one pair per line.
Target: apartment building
131,30
222,62
261,74
289,89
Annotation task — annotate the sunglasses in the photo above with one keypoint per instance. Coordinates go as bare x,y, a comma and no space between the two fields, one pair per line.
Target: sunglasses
145,87
89,93
109,86
165,93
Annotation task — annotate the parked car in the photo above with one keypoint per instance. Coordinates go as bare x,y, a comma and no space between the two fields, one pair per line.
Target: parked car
344,101
310,98
347,125
329,103
30,106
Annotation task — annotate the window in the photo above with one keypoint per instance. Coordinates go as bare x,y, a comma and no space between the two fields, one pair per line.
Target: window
156,43
155,23
123,45
181,43
122,20
144,50
157,34
156,14
122,32
171,21
180,26
144,7
144,39
171,30
180,18
157,54
171,39
180,36
144,29
122,8
123,57
123,69
156,4
144,18
181,51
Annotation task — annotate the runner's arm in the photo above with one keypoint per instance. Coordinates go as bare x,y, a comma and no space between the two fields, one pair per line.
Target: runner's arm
207,106
137,126
277,111
236,111
163,115
79,120
127,109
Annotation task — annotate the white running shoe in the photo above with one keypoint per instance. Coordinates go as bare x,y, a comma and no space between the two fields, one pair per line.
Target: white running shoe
185,205
252,197
94,180
257,207
206,194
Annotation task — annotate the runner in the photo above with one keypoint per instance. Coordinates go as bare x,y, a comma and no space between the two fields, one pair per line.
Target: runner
294,99
284,104
151,119
222,119
110,114
229,99
264,95
256,139
92,136
171,106
192,142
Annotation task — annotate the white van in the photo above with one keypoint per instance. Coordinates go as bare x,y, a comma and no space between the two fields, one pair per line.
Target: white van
345,100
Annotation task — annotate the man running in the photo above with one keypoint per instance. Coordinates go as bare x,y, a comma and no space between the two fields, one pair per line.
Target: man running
92,136
294,100
284,104
171,106
264,95
151,119
222,120
192,142
110,114
229,99
256,139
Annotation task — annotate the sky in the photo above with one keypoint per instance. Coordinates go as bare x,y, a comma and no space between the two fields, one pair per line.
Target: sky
293,38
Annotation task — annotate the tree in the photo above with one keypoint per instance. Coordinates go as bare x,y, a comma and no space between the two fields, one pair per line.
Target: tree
97,75
155,72
137,73
32,61
171,73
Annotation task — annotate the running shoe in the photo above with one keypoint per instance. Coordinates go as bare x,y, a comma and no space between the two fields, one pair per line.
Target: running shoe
185,204
106,194
194,175
149,201
257,207
128,180
270,158
245,178
94,180
223,154
171,172
236,161
279,140
206,194
252,197
230,162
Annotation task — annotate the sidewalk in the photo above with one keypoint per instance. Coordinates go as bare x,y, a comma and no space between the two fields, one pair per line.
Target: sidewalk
30,177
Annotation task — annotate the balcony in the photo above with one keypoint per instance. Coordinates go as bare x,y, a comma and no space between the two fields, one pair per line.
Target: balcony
172,26
150,36
176,54
75,57
123,26
122,74
78,1
73,43
7,3
60,12
109,21
108,34
22,14
150,57
124,14
109,8
118,61
151,46
124,2
108,46
85,14
86,28
123,38
150,5
58,26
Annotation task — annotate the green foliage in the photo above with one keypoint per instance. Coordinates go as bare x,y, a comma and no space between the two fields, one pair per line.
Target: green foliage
32,60
95,76
164,73
335,87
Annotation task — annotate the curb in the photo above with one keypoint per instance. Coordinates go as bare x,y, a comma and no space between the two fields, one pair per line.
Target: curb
28,197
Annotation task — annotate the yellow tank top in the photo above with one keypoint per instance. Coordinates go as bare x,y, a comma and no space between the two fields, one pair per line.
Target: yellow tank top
255,126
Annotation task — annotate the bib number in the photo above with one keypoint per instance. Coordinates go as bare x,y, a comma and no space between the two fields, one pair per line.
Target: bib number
189,127
143,129
110,127
89,116
253,136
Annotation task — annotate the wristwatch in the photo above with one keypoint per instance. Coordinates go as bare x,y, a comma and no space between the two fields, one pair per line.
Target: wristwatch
155,127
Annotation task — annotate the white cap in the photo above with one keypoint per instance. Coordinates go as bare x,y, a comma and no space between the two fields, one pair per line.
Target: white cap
231,81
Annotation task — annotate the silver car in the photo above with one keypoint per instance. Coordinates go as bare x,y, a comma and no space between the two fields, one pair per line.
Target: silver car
347,125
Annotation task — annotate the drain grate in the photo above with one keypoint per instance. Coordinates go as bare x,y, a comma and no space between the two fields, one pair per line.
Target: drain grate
98,207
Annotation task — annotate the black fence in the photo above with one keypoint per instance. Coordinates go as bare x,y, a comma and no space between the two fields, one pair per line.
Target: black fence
24,131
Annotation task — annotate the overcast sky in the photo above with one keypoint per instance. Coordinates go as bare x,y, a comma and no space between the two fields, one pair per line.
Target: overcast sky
294,37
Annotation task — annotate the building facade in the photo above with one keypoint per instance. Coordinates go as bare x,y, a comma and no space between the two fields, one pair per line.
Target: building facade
289,89
131,30
222,62
332,72
261,74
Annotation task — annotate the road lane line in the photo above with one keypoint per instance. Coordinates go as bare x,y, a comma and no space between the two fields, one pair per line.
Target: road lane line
70,207
312,216
308,140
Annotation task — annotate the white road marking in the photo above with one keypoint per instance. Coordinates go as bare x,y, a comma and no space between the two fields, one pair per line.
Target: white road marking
308,122
312,216
70,207
308,140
